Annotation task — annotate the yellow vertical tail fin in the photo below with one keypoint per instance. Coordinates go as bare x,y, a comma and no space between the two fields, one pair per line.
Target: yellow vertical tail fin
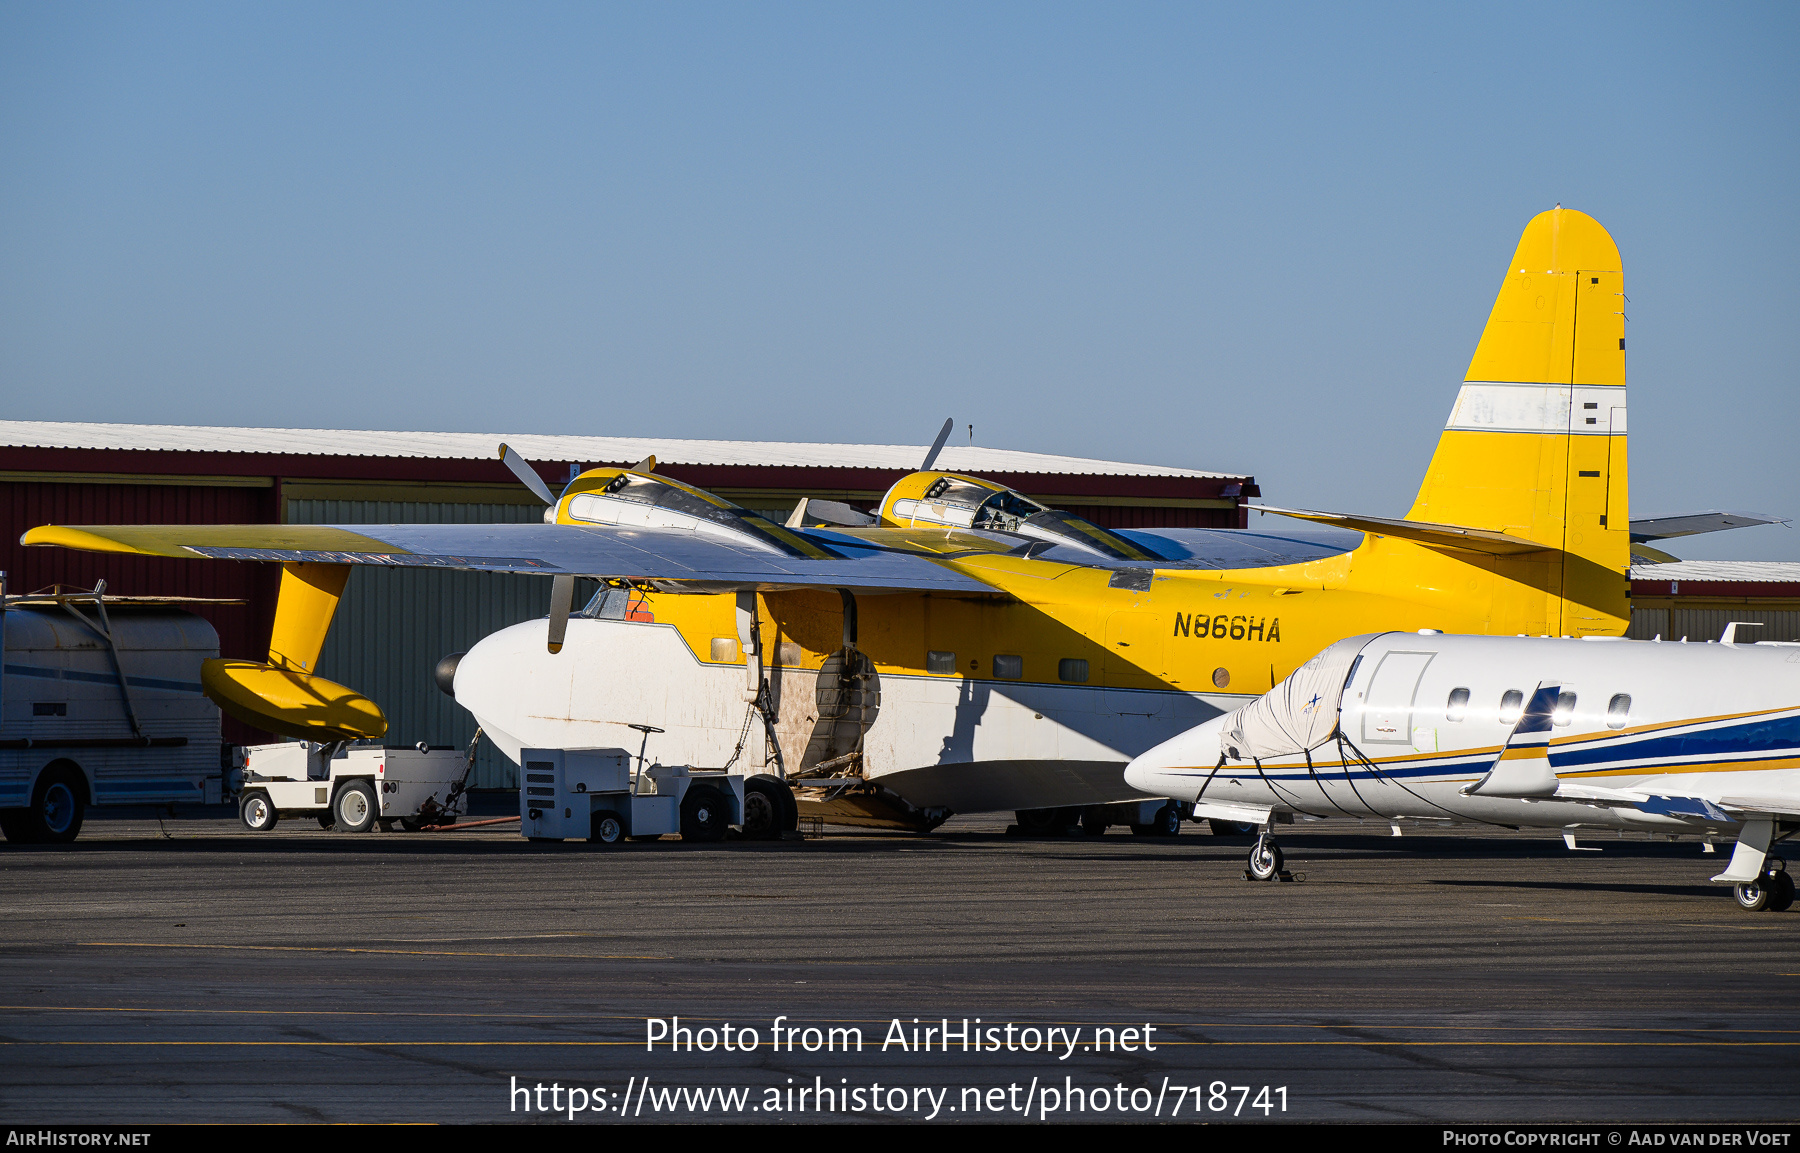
1535,446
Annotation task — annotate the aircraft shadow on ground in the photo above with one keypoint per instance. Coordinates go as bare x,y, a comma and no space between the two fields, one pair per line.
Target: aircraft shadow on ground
1586,887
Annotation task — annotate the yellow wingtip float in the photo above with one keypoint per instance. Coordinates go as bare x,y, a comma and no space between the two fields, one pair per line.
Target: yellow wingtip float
292,703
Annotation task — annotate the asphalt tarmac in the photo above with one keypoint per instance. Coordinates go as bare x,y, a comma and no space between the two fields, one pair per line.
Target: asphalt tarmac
189,970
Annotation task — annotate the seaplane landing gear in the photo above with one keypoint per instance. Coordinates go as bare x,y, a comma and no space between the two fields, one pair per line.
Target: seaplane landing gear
1266,862
1773,891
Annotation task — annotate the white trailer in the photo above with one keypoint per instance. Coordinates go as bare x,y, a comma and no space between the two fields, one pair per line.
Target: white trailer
592,794
100,704
351,788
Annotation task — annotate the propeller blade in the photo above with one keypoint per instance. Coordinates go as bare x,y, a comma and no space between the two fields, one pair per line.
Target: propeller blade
528,477
937,445
797,518
562,597
648,464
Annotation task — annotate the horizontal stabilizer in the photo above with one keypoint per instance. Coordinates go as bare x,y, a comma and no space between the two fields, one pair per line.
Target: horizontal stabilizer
1438,535
1688,524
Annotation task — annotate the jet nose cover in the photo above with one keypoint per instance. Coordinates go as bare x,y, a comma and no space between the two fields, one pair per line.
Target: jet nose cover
1176,767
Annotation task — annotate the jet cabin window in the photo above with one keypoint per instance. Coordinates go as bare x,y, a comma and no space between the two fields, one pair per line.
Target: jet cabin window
1458,705
1618,711
1511,706
1565,709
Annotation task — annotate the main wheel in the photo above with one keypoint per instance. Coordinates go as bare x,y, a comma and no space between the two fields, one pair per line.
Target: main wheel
762,811
704,814
1230,828
607,828
355,807
1167,822
1781,890
1093,821
257,811
1752,896
1265,860
54,817
1036,820
790,809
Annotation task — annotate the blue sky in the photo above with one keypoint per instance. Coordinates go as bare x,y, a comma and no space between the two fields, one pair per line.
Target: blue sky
1252,237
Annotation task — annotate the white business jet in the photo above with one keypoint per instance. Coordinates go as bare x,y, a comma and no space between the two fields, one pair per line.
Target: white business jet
1602,733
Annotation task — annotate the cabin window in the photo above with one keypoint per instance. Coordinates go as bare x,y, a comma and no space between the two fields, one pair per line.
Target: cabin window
1511,705
1005,512
724,648
1457,707
937,662
1009,668
950,490
1565,708
1072,670
1618,711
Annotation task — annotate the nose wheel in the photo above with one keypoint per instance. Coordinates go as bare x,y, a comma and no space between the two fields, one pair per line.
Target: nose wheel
1266,862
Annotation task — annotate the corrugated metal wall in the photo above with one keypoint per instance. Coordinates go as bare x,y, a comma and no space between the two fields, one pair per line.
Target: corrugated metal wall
1706,624
394,624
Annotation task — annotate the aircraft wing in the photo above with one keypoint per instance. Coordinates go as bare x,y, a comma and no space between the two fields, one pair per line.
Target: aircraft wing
676,559
1689,524
1425,532
1217,548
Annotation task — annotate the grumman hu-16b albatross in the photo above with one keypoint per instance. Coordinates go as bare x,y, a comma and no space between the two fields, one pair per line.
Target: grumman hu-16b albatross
1539,731
962,647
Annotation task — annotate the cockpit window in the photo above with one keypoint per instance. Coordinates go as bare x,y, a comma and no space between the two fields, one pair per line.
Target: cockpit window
1006,511
950,490
660,493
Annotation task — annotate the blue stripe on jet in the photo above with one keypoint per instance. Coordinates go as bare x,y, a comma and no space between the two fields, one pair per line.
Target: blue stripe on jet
1781,735
1430,769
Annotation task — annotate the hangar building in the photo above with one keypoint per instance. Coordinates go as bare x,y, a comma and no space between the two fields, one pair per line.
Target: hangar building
394,624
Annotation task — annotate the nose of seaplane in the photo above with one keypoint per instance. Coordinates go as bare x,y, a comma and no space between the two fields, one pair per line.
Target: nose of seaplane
1177,767
503,680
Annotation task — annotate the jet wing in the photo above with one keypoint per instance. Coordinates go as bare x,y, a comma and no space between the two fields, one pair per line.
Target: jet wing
677,560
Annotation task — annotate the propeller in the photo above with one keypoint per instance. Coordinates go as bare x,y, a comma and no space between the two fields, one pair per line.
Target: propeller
562,587
527,475
937,445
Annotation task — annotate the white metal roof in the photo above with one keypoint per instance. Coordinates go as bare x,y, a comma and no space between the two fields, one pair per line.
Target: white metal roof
1719,570
540,446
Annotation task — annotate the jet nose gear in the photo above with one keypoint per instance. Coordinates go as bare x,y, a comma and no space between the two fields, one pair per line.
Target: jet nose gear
1266,862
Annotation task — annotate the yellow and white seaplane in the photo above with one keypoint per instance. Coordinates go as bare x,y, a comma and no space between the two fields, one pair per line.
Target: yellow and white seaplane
961,647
